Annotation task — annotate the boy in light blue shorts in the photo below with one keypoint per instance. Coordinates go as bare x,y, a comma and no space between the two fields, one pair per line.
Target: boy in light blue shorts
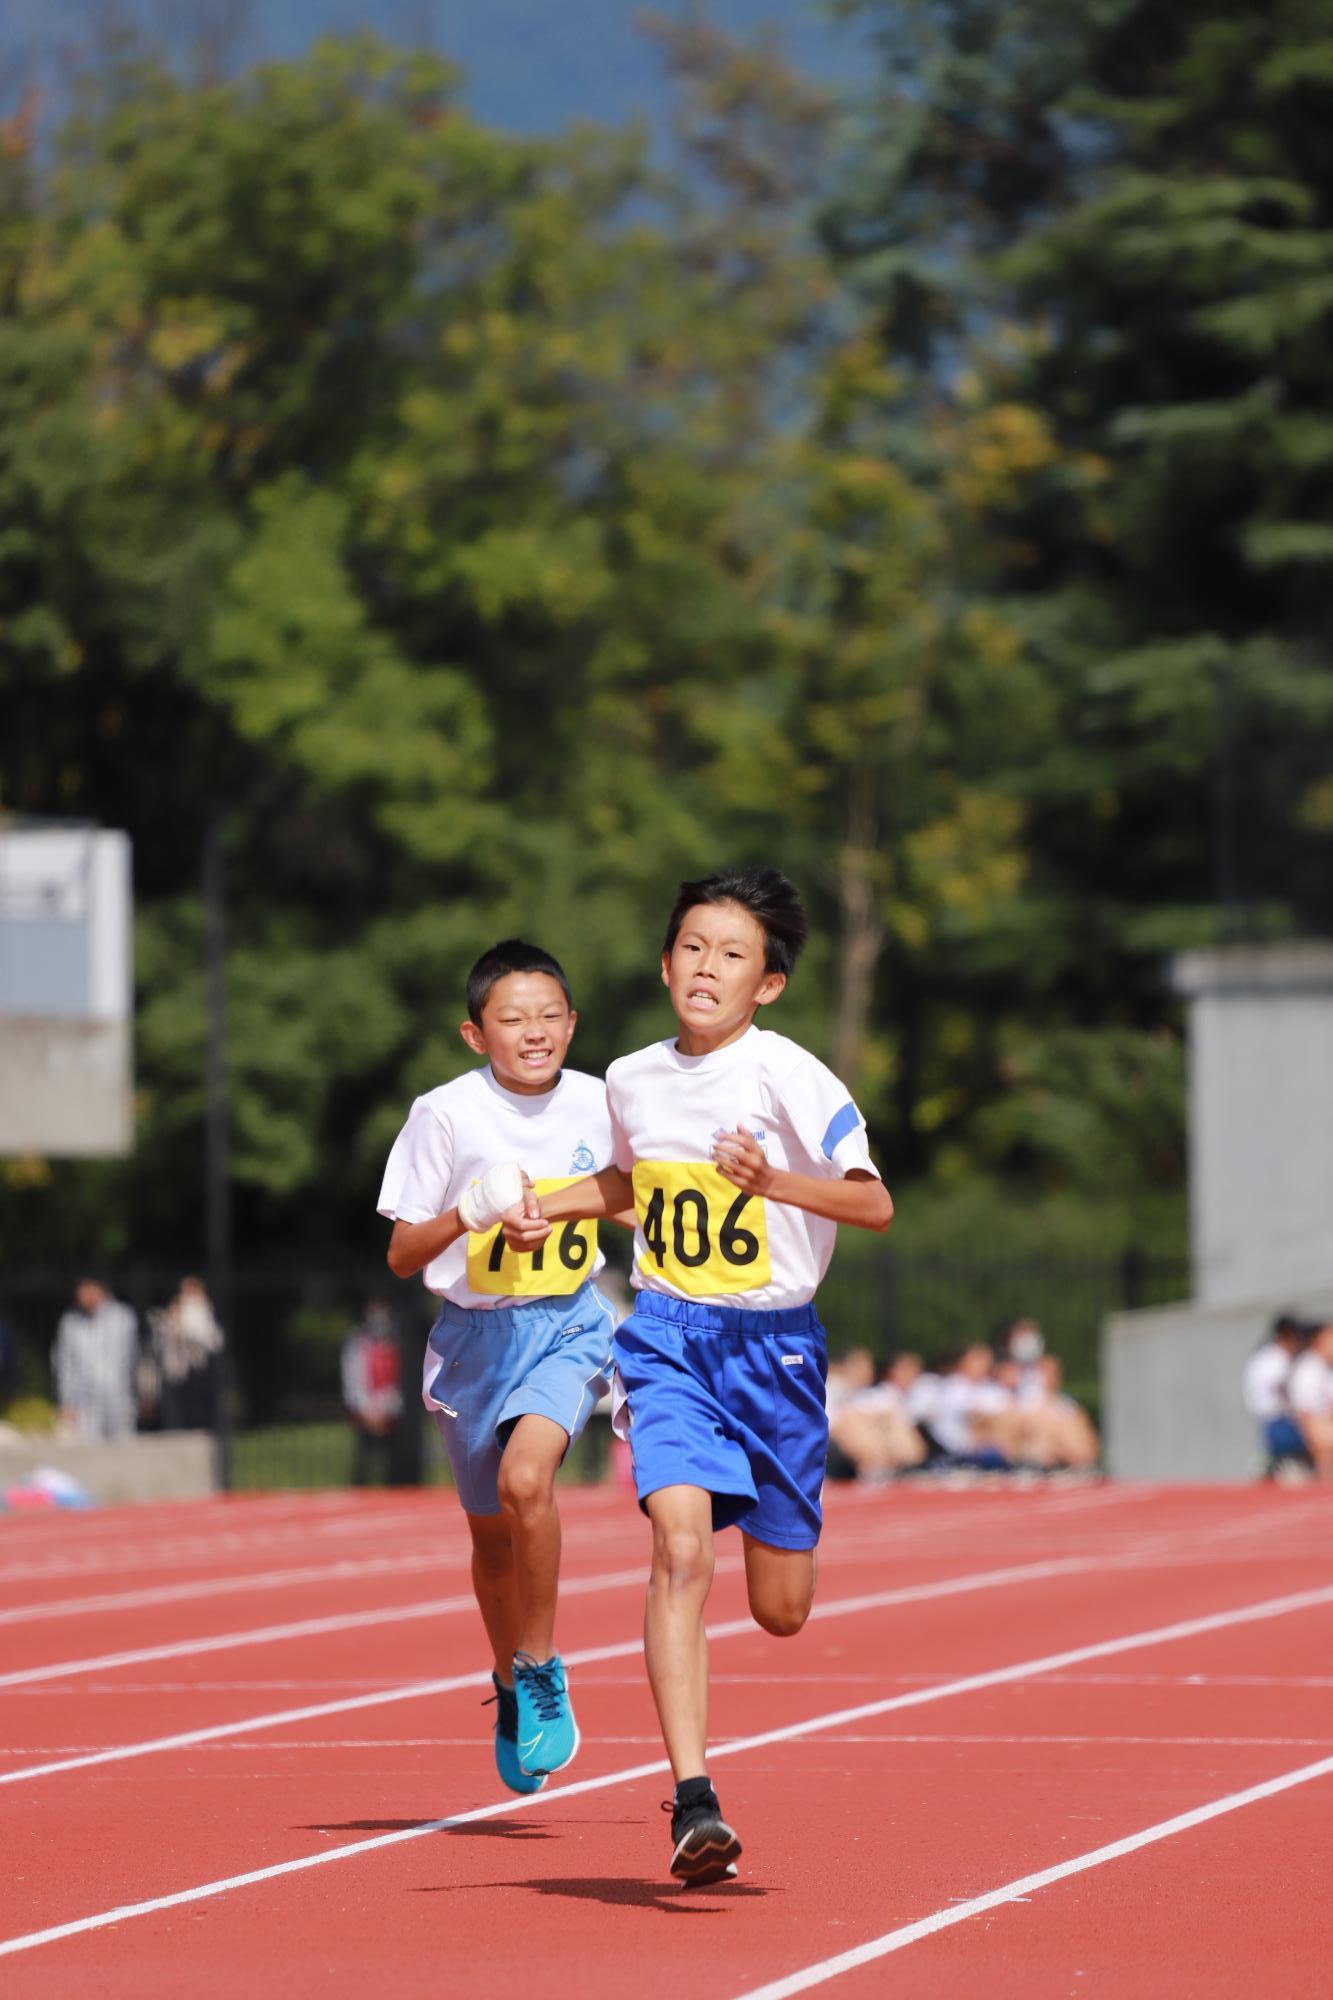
742,1153
521,1351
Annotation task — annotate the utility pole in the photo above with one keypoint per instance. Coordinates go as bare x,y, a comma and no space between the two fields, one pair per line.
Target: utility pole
217,1129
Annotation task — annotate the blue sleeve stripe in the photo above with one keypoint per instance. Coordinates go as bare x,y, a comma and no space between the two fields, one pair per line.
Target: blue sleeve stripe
839,1125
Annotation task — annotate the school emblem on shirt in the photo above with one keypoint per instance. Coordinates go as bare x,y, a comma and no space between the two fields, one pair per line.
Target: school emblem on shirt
584,1159
757,1133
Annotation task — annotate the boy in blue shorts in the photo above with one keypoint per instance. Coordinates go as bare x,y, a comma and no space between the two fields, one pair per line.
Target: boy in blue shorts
521,1351
742,1153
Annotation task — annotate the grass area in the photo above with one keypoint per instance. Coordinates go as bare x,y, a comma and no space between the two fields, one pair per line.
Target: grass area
303,1457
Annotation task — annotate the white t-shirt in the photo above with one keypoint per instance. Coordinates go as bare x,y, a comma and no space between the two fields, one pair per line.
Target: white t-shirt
1310,1387
1264,1383
698,1236
454,1134
962,1397
923,1397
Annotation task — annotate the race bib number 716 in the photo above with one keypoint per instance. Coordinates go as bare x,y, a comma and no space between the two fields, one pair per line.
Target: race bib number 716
555,1268
701,1233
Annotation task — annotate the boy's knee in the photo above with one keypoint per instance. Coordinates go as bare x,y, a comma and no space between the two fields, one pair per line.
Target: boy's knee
783,1619
681,1559
524,1484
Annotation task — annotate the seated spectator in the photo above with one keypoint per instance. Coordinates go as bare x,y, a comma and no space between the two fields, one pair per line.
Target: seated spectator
923,1394
1310,1394
870,1427
1001,1414
1021,1345
849,1374
966,1422
1264,1387
1066,1433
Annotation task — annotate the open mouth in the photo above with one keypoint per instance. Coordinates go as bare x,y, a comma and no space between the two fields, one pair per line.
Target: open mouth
534,1058
698,998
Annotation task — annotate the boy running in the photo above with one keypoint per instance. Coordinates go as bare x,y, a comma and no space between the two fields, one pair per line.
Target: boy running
742,1154
521,1351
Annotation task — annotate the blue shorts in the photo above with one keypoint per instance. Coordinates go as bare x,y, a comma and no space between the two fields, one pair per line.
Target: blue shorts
732,1401
537,1357
1283,1438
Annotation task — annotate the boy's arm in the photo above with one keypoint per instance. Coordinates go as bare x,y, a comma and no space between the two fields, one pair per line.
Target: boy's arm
858,1198
502,1188
594,1198
413,1245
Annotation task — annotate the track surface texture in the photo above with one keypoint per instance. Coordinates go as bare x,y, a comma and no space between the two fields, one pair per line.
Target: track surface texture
1059,1742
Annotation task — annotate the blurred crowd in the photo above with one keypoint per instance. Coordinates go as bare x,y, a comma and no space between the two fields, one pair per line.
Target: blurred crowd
989,1407
113,1378
1288,1390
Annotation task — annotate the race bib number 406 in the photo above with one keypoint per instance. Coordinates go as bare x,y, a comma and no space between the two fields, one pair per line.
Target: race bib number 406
554,1268
701,1233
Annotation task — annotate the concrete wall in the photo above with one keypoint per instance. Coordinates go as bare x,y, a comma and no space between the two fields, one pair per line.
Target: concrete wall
1171,1382
168,1465
1261,1133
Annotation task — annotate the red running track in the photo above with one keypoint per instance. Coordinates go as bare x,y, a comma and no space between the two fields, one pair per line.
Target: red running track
1035,1744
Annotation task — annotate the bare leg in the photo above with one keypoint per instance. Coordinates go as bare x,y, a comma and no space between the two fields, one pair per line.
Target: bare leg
780,1584
527,1495
493,1582
877,1441
1318,1435
674,1642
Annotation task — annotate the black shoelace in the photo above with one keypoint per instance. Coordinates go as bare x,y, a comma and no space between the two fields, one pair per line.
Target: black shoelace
546,1687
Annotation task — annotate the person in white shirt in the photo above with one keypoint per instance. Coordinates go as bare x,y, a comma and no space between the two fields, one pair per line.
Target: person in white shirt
741,1153
1264,1387
521,1351
1310,1394
870,1427
96,1348
968,1420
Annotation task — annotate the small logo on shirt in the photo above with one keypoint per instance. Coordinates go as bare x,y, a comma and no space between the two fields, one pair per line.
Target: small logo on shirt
792,1360
584,1159
757,1133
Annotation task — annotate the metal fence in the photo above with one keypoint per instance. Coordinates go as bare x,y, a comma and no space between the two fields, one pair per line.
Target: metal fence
279,1416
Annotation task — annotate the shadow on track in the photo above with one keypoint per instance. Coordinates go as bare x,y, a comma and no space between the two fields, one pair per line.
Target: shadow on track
509,1829
670,1897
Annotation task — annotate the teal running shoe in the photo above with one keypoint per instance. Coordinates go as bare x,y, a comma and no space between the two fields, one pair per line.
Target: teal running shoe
506,1743
548,1735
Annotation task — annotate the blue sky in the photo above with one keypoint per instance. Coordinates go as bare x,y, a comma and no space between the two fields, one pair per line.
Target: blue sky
532,65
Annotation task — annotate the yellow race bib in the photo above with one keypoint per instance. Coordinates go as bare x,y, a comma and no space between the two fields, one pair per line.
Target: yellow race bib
701,1233
556,1267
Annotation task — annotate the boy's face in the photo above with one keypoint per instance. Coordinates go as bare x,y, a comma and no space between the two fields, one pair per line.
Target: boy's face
715,975
526,1028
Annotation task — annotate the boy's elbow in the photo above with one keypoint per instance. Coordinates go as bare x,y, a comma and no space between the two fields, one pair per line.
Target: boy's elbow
883,1212
396,1262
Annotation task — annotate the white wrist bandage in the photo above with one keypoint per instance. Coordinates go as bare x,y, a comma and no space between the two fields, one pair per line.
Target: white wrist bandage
499,1189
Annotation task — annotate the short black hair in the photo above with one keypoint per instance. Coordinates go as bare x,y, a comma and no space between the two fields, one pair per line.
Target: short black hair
765,893
510,955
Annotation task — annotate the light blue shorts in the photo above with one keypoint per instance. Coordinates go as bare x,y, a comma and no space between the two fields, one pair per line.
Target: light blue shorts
537,1357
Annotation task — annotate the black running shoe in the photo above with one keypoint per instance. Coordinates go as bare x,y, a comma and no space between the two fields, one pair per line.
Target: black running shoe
706,1848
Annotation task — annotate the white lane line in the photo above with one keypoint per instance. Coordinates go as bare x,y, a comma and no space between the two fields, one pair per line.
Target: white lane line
1136,1555
240,1746
338,1571
304,1628
1161,1635
589,1656
351,1519
1018,1891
